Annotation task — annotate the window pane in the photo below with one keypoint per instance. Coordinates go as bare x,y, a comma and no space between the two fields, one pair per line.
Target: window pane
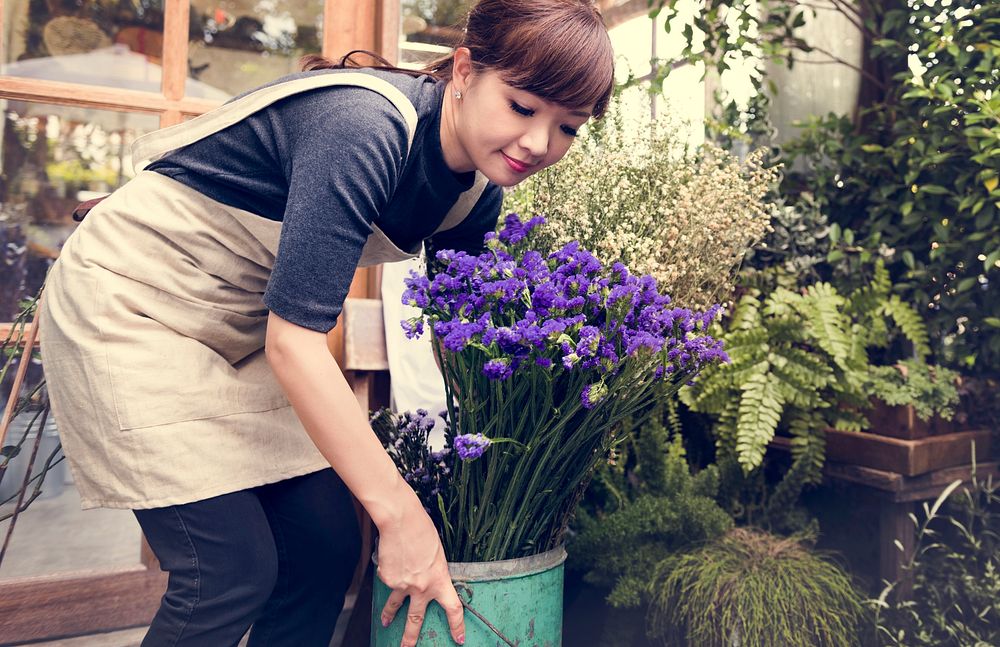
236,45
116,43
431,28
52,158
53,535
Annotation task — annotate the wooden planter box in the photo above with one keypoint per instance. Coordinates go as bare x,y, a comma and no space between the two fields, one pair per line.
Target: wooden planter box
902,422
907,457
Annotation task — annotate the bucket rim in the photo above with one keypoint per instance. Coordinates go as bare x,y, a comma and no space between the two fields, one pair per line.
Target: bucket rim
502,568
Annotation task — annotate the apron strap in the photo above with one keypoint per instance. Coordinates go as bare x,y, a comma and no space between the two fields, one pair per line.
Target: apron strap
154,145
464,205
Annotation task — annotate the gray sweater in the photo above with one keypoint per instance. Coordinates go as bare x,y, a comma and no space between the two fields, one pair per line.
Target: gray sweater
328,163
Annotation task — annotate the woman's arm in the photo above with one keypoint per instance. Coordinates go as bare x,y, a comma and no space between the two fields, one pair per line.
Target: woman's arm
411,559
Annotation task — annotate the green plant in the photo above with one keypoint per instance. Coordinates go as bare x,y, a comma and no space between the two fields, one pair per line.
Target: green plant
631,192
546,352
915,167
921,175
642,508
955,601
755,590
789,255
929,389
800,363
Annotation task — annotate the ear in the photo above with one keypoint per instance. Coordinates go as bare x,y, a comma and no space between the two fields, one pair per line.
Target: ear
461,71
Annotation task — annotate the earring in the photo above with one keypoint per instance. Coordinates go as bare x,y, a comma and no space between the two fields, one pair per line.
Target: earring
458,94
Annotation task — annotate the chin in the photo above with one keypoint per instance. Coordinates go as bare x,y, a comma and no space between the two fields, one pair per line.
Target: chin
504,177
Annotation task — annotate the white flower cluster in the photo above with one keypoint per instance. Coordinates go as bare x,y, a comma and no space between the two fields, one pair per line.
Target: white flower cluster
631,193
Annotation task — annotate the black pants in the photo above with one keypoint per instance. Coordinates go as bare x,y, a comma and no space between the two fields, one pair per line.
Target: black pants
278,557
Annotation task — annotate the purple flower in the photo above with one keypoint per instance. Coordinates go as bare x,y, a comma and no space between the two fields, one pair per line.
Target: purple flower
497,369
592,394
412,328
563,311
471,446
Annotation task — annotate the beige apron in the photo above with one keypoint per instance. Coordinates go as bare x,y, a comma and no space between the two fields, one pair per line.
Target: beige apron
153,325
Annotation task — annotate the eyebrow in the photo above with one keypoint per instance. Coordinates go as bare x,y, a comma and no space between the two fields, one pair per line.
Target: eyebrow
580,113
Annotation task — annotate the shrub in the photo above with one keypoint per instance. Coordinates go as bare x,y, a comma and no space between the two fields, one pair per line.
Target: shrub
955,568
630,192
754,590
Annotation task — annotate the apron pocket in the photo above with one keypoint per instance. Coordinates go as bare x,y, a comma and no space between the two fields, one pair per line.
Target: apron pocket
159,376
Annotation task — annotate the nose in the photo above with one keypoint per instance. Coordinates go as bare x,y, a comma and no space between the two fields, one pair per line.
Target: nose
536,142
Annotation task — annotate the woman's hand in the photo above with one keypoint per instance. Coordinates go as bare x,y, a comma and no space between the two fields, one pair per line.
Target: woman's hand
411,562
411,559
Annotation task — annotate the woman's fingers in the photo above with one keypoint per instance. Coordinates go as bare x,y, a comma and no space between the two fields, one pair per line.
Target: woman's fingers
449,601
414,620
452,606
392,606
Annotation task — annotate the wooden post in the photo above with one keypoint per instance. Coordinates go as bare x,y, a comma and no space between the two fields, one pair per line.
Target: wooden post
897,541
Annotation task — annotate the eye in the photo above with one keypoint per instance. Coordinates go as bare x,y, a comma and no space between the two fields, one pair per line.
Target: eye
521,110
569,131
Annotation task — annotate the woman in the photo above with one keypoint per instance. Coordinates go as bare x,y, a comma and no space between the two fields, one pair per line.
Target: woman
184,325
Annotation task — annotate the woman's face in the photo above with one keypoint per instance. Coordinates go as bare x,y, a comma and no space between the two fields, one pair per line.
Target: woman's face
509,134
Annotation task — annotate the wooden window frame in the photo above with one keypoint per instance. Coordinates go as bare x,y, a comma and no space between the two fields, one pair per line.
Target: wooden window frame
348,24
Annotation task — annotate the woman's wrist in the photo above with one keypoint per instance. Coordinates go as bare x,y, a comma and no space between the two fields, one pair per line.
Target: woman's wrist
392,505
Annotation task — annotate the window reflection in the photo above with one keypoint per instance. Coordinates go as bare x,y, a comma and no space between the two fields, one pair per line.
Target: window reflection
430,29
236,45
116,43
52,158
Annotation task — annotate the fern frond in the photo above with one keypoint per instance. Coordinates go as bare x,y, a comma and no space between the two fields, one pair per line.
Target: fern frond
848,420
786,330
673,417
867,302
861,339
800,377
910,322
710,393
822,310
746,316
745,348
761,405
809,446
725,430
781,303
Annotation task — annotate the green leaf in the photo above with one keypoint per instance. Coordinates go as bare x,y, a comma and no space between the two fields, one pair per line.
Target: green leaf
993,322
966,284
834,233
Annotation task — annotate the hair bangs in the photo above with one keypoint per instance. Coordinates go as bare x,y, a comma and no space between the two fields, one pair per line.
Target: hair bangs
568,61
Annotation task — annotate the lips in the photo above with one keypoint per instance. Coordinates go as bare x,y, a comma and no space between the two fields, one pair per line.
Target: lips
517,165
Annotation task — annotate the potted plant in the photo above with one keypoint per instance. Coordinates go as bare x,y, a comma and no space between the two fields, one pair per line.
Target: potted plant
912,399
543,355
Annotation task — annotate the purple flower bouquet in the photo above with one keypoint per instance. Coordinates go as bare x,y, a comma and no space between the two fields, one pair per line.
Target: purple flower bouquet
543,357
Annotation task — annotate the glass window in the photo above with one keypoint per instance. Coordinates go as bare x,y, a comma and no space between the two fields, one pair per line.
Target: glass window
237,45
53,535
116,43
430,29
52,158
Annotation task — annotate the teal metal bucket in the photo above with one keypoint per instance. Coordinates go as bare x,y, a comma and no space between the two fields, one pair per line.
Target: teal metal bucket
522,598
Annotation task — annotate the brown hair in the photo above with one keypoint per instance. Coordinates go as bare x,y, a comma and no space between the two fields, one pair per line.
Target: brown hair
556,49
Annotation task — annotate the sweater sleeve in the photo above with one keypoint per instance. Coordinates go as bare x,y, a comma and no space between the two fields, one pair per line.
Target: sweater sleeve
342,160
